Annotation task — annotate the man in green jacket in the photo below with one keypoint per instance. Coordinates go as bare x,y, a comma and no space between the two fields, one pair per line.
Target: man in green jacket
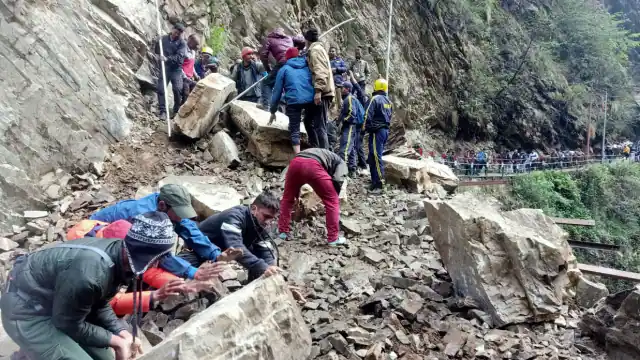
56,303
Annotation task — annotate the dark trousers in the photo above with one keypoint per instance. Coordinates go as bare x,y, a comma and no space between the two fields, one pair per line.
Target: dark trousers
377,140
187,86
250,98
175,77
360,94
332,136
294,113
268,84
362,159
40,339
348,143
319,121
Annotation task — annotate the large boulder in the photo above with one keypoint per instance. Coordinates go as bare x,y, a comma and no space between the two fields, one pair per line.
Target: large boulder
419,175
208,197
259,321
198,115
513,264
224,149
270,144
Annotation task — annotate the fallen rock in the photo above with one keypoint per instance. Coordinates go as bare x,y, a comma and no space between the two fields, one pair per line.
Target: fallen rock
407,172
198,115
208,197
34,214
442,175
270,144
513,264
7,244
588,292
224,150
260,321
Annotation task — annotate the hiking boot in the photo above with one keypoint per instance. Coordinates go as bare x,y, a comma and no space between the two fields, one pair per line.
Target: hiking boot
339,241
376,189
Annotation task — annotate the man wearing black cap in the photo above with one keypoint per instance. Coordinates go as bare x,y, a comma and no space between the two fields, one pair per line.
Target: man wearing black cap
324,88
175,201
174,52
56,302
351,118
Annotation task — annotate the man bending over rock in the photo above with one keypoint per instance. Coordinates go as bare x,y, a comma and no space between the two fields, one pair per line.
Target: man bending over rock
243,227
325,172
175,201
56,302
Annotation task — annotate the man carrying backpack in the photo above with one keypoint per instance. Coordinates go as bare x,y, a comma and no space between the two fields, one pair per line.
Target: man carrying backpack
351,118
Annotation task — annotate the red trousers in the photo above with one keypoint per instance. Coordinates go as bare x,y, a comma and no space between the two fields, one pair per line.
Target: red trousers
309,171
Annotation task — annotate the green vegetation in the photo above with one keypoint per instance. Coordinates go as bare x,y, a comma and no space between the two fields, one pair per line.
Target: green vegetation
609,194
217,39
559,57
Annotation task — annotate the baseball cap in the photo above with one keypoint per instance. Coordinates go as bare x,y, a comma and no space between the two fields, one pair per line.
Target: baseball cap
178,198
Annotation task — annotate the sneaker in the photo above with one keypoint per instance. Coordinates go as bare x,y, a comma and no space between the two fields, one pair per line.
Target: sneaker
353,174
283,236
339,241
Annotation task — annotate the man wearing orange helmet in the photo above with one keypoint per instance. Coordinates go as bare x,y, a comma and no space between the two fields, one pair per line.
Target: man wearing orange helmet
248,73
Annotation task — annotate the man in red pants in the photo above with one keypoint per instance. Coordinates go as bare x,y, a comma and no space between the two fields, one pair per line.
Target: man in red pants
325,172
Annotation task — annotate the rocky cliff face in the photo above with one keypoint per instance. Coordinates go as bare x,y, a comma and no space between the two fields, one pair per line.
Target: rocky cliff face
457,72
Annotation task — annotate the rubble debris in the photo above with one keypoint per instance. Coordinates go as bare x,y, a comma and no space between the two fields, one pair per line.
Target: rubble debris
513,264
199,114
208,196
269,143
263,309
589,292
223,149
34,214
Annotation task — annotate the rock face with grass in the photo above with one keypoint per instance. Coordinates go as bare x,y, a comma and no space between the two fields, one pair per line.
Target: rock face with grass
513,264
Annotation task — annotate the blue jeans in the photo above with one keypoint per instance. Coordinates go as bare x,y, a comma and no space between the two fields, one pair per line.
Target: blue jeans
377,140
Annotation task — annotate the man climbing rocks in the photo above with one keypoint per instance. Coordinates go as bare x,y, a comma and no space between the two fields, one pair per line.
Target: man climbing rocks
243,227
325,172
188,66
351,118
175,201
322,77
339,71
360,69
377,119
295,79
246,74
56,302
175,51
276,45
206,64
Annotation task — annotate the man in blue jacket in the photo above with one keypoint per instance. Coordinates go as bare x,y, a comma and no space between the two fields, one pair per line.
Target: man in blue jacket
294,77
243,227
339,69
175,201
377,119
359,93
351,118
174,52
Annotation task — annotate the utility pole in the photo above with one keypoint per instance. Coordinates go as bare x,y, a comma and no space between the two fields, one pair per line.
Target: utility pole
588,150
604,126
389,40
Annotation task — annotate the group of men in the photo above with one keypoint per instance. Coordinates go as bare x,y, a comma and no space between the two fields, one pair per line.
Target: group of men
64,301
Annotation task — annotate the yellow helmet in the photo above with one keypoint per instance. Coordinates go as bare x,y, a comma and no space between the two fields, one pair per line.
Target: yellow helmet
207,50
381,85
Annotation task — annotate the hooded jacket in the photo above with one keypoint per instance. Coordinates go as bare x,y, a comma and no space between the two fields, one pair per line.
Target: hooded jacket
331,162
295,78
237,228
73,286
320,67
276,44
378,113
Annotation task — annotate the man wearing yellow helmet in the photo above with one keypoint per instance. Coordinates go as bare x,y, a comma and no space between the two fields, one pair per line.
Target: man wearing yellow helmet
207,63
377,119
